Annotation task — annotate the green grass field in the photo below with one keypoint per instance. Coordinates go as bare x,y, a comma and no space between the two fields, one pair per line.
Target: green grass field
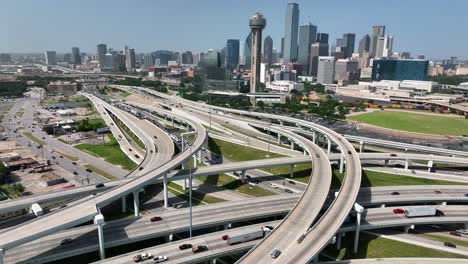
429,124
111,152
376,247
234,184
105,174
236,152
197,197
458,242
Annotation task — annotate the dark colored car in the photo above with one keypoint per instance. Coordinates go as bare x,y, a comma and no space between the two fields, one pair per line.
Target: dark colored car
141,168
74,163
393,155
185,246
198,249
395,193
89,170
155,219
455,233
275,253
66,241
439,213
75,173
99,185
437,192
448,244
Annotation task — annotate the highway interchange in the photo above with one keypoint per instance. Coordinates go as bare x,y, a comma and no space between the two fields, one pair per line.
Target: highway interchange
305,211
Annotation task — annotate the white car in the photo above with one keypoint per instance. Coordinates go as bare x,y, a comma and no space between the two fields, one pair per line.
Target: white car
160,259
463,231
142,257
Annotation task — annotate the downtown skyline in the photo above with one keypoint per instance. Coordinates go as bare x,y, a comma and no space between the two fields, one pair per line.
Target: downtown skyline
197,32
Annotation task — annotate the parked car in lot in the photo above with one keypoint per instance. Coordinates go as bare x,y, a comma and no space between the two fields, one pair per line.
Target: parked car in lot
156,219
142,257
185,246
200,248
160,259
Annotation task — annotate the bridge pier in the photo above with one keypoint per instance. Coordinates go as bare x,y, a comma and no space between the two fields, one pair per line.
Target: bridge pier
124,204
338,240
99,221
195,162
406,164
170,237
341,162
279,138
382,206
199,155
407,228
165,191
243,176
1,255
361,146
314,136
328,146
291,170
136,203
359,209
292,145
443,203
227,226
281,122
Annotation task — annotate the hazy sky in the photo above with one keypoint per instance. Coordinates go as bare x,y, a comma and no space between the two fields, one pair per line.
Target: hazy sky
435,28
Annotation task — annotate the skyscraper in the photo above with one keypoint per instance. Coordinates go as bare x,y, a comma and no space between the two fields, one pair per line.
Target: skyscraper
326,70
248,51
130,60
148,60
377,31
268,50
187,57
290,33
364,44
307,36
348,44
322,38
76,57
317,50
282,48
51,57
257,23
101,53
232,53
384,47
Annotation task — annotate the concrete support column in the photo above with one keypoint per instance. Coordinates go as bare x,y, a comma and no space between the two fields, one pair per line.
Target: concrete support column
136,203
406,164
166,194
314,136
124,204
361,146
291,170
443,203
406,229
213,261
99,221
359,209
172,119
1,255
183,145
195,161
430,164
304,152
328,145
292,145
227,226
338,240
386,163
199,155
279,138
170,237
243,176
341,162
382,206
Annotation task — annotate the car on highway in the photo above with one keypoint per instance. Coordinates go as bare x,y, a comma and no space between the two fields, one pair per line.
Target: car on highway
275,253
437,192
291,182
156,219
141,168
74,163
466,195
449,244
200,248
439,213
66,241
136,156
75,173
398,211
288,190
393,155
463,231
185,246
99,185
89,170
142,257
455,233
395,193
160,259
61,156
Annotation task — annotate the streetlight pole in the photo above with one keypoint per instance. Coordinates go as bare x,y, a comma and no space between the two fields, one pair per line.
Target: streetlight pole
190,193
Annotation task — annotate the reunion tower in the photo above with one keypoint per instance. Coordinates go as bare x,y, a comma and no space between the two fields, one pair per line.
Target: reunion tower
257,23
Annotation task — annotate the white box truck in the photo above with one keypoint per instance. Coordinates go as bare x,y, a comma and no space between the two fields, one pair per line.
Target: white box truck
242,236
420,211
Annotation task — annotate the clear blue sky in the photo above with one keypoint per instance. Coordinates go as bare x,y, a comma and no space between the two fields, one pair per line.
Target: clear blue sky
435,28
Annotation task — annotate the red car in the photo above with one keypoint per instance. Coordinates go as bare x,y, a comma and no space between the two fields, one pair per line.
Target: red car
156,219
393,155
398,211
455,233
